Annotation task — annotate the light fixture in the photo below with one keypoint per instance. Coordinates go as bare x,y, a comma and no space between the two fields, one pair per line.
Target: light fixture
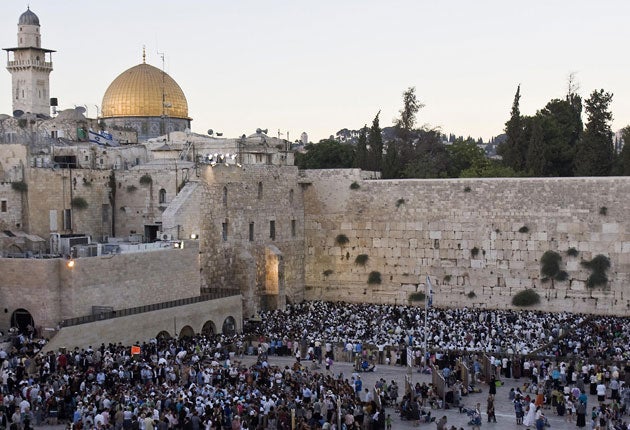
70,263
193,236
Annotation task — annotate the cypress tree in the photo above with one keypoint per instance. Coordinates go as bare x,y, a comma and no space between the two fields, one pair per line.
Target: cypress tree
595,151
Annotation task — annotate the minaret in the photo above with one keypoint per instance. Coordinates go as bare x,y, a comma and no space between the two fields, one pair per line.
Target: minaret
30,66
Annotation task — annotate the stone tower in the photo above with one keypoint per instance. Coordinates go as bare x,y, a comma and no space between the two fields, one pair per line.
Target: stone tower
30,66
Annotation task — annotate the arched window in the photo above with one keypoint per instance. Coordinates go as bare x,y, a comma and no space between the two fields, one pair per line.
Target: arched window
224,196
162,196
260,190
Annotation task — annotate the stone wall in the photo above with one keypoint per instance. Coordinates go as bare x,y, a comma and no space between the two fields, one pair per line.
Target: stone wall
11,202
236,198
413,228
51,291
52,190
147,325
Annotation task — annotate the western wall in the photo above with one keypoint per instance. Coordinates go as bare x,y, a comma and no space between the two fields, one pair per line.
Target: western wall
480,240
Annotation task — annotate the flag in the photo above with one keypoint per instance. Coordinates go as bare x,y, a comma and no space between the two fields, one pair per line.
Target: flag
430,294
135,350
103,138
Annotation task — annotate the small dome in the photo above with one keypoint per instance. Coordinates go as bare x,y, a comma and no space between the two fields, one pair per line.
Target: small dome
28,18
144,91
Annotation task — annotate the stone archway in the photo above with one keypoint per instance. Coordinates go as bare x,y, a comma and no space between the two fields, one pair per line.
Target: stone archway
23,321
186,331
163,335
209,328
229,326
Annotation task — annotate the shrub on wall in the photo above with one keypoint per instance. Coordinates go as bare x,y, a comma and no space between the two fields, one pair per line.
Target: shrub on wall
342,240
20,186
131,188
572,252
327,272
527,297
79,203
598,266
471,295
474,252
145,179
550,267
374,278
447,278
400,202
603,210
523,229
418,296
361,259
355,185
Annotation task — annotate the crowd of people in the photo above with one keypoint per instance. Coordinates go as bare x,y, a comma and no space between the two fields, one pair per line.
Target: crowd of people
201,383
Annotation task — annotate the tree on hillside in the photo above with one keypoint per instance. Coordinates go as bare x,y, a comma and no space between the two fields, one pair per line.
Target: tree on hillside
375,143
514,149
327,154
595,152
536,162
361,157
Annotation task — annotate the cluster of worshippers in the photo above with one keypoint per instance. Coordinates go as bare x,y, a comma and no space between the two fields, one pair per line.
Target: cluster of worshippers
199,382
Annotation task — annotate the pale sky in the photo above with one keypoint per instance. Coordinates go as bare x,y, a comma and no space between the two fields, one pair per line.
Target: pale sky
319,66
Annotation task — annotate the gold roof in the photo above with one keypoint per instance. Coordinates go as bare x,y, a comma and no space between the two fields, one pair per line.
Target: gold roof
144,90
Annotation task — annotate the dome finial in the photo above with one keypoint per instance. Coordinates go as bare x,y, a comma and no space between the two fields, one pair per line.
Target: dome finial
144,54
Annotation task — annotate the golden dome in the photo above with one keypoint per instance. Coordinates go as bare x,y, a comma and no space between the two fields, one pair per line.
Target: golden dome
144,91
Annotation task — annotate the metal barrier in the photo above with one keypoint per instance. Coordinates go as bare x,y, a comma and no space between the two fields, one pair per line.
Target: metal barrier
214,294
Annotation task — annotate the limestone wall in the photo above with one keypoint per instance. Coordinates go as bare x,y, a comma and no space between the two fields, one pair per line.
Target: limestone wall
10,207
237,198
147,325
51,291
412,228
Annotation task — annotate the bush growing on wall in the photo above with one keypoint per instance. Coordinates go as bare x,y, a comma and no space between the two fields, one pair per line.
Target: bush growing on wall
79,203
418,296
342,240
361,259
525,298
598,266
374,278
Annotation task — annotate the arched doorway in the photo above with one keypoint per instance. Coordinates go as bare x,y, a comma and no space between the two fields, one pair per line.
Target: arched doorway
23,320
186,331
209,328
163,335
229,326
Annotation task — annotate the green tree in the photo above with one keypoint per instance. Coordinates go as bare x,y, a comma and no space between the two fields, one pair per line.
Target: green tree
375,143
595,152
391,162
514,149
411,106
431,159
464,154
536,150
327,154
624,156
488,169
361,158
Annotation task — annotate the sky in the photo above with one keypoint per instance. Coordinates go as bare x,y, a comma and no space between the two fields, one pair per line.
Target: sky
321,66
